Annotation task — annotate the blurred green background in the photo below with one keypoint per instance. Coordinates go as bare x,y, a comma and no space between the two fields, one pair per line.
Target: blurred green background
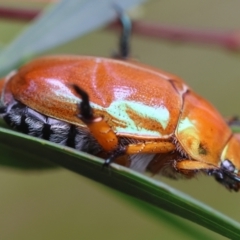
60,204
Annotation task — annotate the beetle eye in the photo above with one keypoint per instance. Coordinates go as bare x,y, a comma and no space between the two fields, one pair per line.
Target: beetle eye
227,165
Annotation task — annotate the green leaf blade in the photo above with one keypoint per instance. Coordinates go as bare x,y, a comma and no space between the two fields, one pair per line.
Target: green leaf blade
58,24
122,179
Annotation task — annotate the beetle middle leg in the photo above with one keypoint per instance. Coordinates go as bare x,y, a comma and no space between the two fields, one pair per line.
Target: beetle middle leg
150,147
98,127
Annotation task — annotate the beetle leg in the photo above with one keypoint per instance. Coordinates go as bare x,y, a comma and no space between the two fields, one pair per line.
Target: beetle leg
190,165
126,24
150,147
98,127
115,154
146,147
227,178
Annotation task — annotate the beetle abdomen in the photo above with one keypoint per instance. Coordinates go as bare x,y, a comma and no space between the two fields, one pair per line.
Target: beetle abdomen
31,122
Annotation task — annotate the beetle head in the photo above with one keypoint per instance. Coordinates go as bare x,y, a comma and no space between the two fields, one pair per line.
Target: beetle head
226,176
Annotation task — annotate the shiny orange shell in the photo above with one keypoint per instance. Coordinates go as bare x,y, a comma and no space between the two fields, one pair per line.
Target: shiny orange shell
149,106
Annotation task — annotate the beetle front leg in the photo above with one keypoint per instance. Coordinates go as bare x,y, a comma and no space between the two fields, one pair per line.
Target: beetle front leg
191,165
98,127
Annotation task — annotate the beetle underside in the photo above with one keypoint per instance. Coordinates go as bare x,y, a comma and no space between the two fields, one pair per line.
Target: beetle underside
33,123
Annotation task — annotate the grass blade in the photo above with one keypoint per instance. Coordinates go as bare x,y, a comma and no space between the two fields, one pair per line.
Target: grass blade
146,189
60,23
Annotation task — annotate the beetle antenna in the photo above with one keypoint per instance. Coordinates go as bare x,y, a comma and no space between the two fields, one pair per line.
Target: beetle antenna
84,107
126,23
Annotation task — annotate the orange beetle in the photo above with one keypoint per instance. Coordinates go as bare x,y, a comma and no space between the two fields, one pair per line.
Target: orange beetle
129,113
126,112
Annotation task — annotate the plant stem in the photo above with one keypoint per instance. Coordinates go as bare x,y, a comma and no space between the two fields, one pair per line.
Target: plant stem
18,14
226,39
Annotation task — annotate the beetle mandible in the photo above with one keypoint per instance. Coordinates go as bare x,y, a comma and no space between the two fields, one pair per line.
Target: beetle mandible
126,112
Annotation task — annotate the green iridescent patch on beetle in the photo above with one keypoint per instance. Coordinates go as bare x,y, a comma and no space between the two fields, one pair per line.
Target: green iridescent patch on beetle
120,111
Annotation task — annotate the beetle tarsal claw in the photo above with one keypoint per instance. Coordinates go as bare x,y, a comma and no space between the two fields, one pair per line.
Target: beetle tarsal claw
114,155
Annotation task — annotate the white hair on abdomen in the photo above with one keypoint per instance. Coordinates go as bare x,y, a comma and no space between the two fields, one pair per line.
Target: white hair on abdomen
140,161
